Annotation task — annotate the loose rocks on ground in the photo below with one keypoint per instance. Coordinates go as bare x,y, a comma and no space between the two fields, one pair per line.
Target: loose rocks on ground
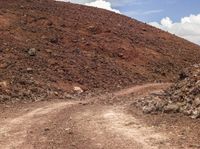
182,97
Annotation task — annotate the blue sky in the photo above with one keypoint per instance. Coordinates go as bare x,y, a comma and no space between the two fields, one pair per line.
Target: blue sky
155,10
179,17
152,10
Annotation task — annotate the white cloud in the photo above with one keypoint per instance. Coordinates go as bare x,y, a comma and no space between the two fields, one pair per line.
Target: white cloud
149,12
76,1
102,4
98,3
167,22
187,28
115,3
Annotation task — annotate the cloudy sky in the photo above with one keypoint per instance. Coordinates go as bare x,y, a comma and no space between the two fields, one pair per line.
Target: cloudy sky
180,17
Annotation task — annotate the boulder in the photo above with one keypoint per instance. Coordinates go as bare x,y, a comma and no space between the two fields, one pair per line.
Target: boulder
32,52
78,90
149,109
197,102
171,108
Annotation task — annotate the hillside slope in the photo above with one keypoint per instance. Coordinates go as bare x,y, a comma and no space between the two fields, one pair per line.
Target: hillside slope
48,47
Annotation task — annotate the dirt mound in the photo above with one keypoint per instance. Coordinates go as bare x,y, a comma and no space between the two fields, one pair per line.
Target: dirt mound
183,96
49,47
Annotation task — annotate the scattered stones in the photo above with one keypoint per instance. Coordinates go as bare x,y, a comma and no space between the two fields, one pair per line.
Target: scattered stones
183,96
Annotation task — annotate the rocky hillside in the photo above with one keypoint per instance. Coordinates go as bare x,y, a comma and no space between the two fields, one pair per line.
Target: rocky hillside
182,97
49,47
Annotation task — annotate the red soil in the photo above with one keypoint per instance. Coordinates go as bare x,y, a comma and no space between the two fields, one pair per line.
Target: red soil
78,45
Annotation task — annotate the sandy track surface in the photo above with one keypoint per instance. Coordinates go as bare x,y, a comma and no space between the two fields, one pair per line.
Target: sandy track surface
82,124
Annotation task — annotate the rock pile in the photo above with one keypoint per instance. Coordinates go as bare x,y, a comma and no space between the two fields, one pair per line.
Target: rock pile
182,97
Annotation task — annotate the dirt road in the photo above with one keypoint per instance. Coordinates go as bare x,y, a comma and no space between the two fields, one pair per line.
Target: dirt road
94,124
